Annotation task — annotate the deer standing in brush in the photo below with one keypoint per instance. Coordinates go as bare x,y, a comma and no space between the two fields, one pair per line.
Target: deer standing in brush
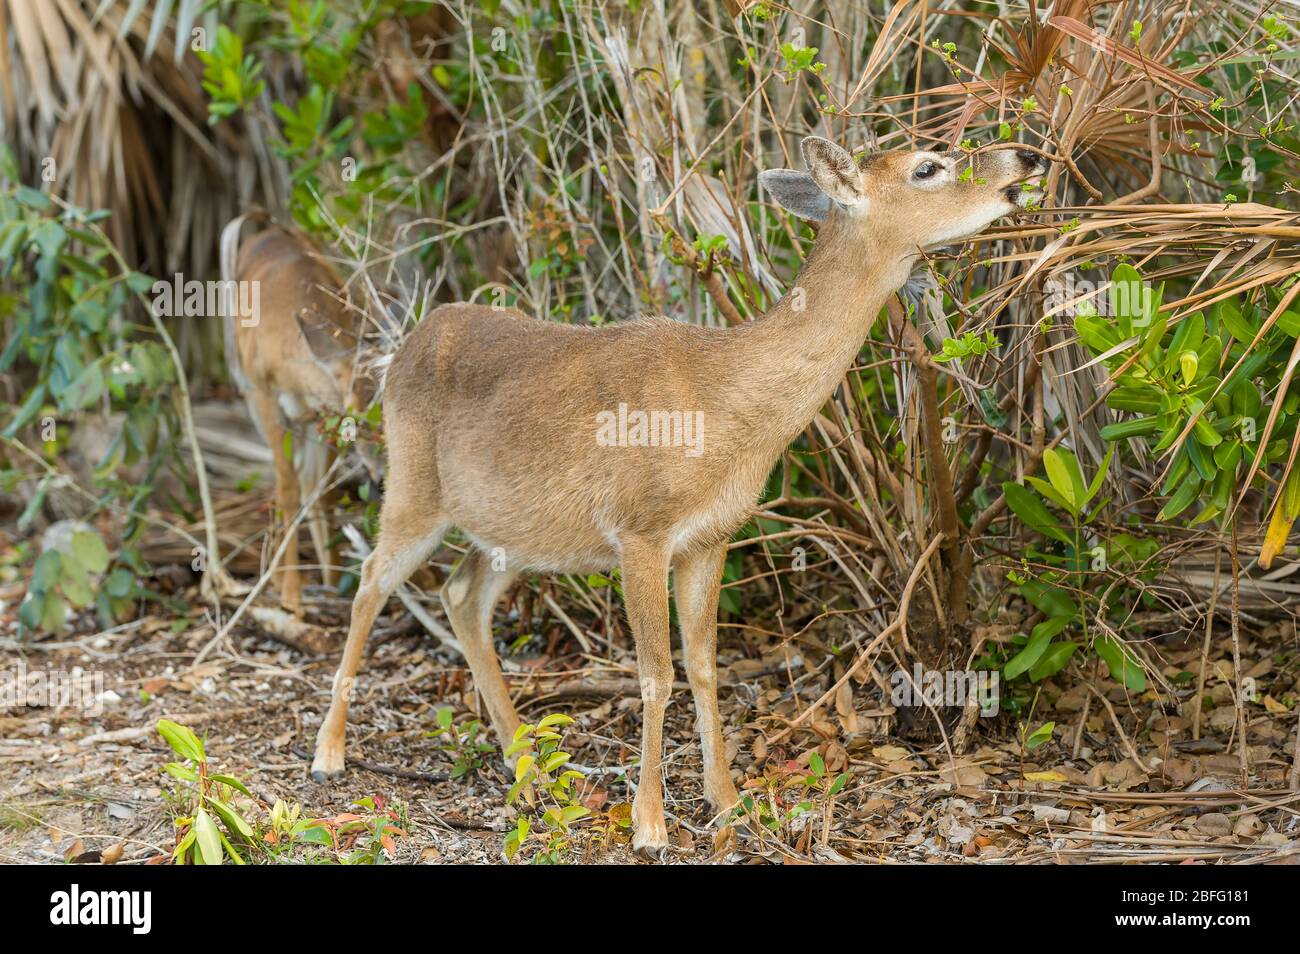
294,361
500,425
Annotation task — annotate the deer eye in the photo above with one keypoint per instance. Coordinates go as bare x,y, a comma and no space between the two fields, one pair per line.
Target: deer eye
925,170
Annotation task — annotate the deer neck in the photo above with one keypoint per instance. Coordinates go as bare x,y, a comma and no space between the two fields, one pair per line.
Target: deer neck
795,356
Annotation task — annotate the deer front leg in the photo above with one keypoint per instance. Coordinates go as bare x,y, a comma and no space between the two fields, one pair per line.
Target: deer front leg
645,593
697,580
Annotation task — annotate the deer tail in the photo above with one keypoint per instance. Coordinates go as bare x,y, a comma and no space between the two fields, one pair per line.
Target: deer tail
229,249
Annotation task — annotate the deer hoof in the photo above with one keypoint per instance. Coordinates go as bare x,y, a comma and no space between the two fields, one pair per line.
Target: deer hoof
325,768
723,799
651,842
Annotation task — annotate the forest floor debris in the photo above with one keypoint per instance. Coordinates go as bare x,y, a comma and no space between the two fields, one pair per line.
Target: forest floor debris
77,785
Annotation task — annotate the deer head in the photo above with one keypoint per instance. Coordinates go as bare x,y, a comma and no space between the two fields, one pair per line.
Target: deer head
909,202
342,381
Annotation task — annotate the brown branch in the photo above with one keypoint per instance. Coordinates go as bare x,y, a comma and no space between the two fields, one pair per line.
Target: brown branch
945,503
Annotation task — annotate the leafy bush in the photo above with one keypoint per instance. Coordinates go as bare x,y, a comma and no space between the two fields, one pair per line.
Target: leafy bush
1200,392
1062,582
541,786
71,330
218,818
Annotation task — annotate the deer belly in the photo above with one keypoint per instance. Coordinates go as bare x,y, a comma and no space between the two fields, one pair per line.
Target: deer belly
542,532
716,521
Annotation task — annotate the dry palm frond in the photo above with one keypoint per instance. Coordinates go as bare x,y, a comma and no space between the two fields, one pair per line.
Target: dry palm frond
101,102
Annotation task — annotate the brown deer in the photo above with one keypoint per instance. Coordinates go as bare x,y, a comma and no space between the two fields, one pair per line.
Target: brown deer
519,433
294,360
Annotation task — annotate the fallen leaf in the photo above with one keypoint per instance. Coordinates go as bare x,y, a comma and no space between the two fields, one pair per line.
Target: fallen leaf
964,775
112,855
1214,823
890,753
1049,776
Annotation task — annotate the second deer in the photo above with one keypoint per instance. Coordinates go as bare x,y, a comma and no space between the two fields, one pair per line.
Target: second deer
645,444
295,361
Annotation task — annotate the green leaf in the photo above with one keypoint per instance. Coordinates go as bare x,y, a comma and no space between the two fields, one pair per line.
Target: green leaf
234,821
207,839
1049,492
46,571
1040,735
1137,427
56,613
181,771
1037,645
233,782
1098,477
1052,600
1032,512
1059,472
1202,461
1052,661
817,765
235,856
85,390
185,845
32,610
90,551
1122,664
28,411
554,719
32,198
119,583
1230,317
522,766
1183,497
182,740
74,583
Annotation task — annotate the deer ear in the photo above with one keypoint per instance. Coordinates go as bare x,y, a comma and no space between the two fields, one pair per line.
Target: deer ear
327,344
833,169
797,193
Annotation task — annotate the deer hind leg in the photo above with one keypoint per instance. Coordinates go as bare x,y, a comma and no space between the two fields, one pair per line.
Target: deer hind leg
697,580
468,598
287,579
645,593
410,527
312,468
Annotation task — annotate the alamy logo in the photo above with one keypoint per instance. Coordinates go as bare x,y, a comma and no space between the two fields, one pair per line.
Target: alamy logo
1070,296
212,299
73,907
948,688
54,688
651,429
